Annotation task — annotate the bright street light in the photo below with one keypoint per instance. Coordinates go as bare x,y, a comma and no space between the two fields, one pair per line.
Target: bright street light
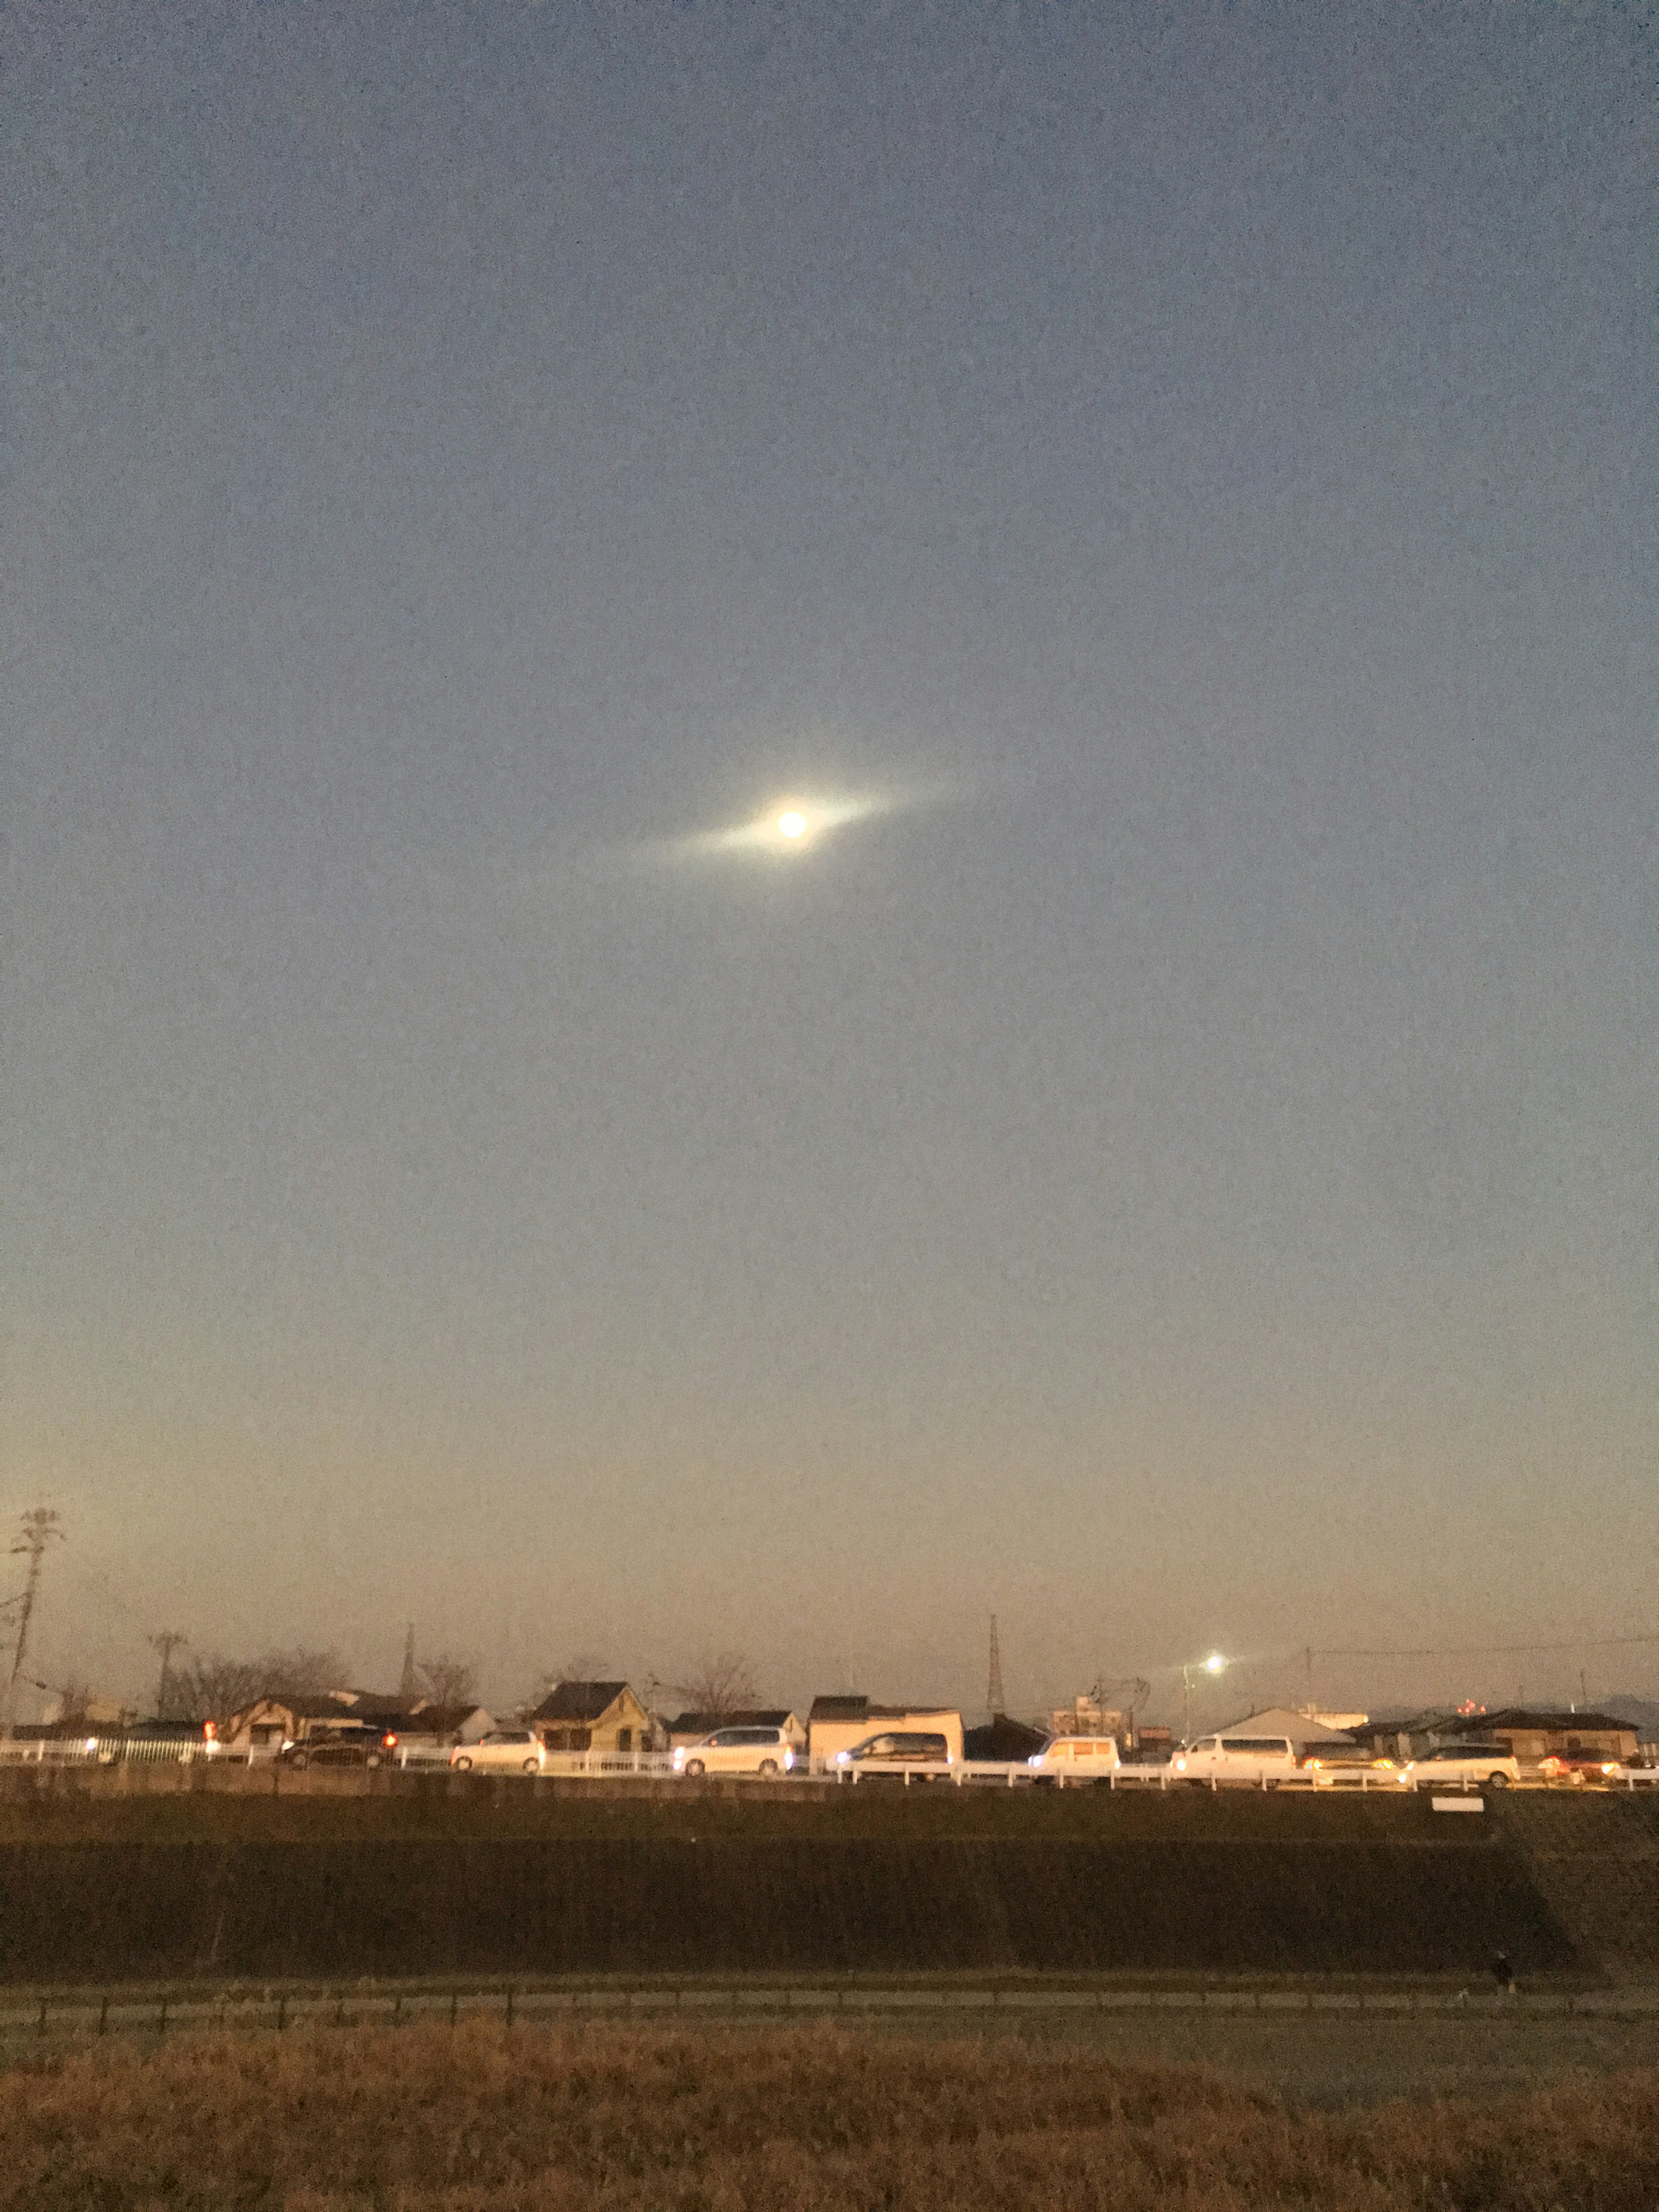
1215,1664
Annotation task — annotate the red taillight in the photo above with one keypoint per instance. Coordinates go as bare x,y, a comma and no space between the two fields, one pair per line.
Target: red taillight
209,1731
390,1742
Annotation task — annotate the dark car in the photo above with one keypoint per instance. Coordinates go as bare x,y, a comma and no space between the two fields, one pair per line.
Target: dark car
893,1752
358,1747
1596,1767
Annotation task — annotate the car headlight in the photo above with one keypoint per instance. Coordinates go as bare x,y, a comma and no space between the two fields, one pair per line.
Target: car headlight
843,1759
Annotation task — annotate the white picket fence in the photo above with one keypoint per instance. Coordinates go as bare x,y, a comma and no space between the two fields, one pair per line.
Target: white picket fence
104,1751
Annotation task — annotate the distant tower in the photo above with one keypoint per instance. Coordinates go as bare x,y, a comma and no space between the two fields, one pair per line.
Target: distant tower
167,1642
408,1688
996,1698
35,1531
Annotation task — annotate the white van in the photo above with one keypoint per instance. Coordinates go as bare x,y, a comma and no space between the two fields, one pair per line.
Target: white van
1075,1758
764,1751
1259,1761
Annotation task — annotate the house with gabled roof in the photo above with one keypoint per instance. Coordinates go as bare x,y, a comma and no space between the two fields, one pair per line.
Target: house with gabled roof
1534,1735
692,1728
270,1722
595,1717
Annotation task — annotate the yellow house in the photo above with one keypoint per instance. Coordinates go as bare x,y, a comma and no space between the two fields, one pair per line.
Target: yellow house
602,1716
837,1725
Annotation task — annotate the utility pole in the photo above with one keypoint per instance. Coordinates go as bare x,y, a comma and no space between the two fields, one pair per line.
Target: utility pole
167,1641
37,1530
996,1699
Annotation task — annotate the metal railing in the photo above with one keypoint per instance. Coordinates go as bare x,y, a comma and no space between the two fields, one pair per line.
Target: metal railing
111,1749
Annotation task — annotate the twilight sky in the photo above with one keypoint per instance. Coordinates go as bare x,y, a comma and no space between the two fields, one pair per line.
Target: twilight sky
1180,1173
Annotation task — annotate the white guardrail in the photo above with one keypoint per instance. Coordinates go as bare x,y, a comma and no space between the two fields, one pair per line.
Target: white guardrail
106,1751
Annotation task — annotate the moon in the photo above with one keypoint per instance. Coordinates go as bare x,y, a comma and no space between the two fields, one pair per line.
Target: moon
790,825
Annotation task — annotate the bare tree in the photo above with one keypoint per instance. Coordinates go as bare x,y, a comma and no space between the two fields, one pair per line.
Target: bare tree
581,1667
214,1688
721,1685
73,1699
449,1680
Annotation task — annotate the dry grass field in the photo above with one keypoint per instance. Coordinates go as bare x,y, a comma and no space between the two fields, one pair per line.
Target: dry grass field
489,2118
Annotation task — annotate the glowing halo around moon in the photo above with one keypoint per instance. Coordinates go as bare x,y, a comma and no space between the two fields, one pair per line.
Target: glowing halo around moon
789,826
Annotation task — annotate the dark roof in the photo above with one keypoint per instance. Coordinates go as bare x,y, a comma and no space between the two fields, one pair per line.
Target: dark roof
380,1705
578,1701
325,1708
861,1709
839,1709
1002,1738
428,1719
341,1705
1387,1724
706,1723
1522,1717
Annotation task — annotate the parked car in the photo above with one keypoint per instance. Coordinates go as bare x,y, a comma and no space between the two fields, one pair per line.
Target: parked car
1637,1773
1351,1766
1593,1767
334,1747
1258,1761
515,1750
765,1751
896,1752
1075,1758
1464,1766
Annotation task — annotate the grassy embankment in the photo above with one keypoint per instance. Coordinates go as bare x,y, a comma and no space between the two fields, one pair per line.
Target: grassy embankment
98,1888
528,2120
328,1808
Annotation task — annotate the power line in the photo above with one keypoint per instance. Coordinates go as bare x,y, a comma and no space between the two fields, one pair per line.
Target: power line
1478,1650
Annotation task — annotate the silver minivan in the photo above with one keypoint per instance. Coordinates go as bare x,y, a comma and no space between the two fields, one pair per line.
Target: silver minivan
762,1751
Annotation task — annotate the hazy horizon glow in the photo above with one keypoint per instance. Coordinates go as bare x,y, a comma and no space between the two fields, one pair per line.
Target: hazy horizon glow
1166,1157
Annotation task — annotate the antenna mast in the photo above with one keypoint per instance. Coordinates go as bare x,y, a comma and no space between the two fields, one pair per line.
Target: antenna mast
37,1530
166,1641
996,1699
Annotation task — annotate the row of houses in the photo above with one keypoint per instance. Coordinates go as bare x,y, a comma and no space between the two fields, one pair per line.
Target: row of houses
1531,1734
610,1719
606,1719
